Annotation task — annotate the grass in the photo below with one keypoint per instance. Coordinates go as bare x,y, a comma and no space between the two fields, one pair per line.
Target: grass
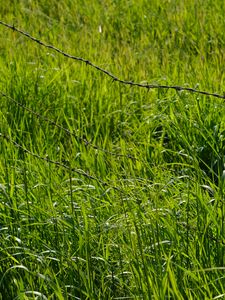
146,220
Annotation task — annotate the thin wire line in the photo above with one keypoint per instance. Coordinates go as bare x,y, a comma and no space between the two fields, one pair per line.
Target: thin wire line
85,141
114,78
57,163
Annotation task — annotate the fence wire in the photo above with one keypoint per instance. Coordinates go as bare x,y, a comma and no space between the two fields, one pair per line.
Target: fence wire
109,74
69,132
57,163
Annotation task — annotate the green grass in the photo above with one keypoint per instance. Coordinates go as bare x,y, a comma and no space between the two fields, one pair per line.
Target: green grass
147,219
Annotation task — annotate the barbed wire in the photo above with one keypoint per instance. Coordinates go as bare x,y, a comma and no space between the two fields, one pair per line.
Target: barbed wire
57,163
109,183
112,76
84,140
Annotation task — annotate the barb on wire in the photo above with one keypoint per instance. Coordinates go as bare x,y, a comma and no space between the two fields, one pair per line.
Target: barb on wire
109,183
57,163
85,141
114,78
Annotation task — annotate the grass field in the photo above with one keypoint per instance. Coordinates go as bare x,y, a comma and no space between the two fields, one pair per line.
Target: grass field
110,191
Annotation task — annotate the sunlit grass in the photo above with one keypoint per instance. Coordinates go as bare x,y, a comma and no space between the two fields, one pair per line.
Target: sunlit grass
150,225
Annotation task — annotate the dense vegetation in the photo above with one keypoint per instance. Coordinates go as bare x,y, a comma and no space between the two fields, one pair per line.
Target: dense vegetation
133,207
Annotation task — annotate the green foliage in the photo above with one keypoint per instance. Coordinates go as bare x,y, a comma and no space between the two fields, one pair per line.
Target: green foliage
147,219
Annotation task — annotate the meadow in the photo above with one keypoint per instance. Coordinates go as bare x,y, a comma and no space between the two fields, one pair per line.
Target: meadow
109,190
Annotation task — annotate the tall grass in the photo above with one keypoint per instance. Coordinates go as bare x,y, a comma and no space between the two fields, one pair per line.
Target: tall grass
150,225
